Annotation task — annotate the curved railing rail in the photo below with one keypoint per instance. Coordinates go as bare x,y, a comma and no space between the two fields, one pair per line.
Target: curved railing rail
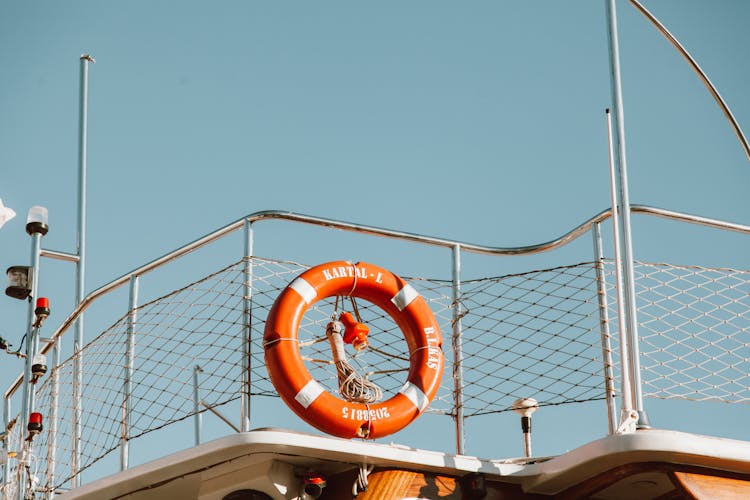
560,241
699,71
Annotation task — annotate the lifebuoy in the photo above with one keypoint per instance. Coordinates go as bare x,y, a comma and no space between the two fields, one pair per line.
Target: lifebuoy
306,397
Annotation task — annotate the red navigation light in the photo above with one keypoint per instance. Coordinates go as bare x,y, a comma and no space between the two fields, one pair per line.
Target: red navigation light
42,311
35,423
314,485
313,478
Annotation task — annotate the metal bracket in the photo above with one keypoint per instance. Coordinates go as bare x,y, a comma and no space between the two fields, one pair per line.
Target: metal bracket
628,422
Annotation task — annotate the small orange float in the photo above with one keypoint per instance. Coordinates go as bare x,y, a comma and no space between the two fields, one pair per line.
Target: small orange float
306,397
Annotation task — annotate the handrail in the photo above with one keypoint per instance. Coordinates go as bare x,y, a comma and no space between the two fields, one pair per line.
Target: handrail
701,74
375,231
694,219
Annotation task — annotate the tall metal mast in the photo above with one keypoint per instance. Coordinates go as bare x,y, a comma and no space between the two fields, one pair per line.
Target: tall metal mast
624,215
80,266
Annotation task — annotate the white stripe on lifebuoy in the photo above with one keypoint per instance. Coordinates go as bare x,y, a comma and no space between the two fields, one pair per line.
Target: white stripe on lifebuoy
305,289
309,393
404,297
415,395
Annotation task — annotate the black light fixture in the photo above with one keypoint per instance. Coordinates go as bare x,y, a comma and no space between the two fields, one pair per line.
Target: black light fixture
474,485
19,282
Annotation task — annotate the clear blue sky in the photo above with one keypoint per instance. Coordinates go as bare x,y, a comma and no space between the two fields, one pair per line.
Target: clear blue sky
482,122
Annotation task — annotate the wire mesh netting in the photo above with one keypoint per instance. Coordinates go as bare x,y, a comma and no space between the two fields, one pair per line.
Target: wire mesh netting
532,335
536,334
694,332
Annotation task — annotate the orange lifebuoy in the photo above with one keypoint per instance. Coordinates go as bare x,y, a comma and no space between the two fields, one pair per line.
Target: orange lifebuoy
306,397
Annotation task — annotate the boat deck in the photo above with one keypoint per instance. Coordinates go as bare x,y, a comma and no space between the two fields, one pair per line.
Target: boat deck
645,464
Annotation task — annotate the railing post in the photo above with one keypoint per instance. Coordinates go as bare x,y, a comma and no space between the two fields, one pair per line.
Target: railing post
197,404
6,445
601,287
458,357
128,374
53,416
247,329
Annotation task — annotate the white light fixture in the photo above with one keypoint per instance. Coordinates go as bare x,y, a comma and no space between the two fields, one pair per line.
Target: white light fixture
36,222
525,406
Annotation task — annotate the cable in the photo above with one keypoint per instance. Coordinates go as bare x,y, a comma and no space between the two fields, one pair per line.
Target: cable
361,483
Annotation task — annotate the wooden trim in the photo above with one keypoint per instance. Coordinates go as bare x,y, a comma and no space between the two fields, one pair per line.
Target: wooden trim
387,484
683,477
702,486
688,482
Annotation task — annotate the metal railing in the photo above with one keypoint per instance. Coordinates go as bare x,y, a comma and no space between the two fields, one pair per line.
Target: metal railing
456,307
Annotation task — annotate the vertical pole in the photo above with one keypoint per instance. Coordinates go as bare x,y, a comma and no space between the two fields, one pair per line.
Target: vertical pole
53,416
80,267
128,374
6,445
627,401
526,422
525,407
627,257
247,330
31,342
197,405
458,357
601,286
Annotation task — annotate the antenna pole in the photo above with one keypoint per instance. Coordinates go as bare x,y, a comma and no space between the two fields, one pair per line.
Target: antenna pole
80,266
627,398
624,215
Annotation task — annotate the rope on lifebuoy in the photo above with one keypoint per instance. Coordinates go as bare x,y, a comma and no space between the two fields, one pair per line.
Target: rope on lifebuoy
354,285
352,386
